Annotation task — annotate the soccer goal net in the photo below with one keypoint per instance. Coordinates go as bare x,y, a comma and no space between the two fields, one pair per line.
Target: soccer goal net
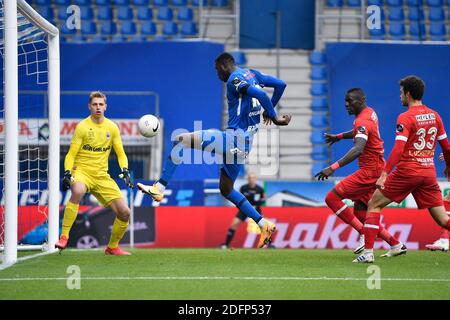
29,131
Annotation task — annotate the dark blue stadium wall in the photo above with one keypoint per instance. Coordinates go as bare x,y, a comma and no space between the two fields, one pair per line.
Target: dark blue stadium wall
258,24
181,72
377,68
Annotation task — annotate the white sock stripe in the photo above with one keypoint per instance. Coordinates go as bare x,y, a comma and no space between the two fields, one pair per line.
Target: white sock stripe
341,209
371,226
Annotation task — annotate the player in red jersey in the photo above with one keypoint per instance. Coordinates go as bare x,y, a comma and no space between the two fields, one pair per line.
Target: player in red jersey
442,244
413,155
359,186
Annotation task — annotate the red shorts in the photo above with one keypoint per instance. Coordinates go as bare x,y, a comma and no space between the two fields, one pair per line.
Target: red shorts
425,190
360,185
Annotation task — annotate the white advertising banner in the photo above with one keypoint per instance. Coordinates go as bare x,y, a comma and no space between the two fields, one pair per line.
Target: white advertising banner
35,131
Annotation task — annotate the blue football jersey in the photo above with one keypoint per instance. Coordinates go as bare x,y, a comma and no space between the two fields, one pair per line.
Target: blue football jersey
244,112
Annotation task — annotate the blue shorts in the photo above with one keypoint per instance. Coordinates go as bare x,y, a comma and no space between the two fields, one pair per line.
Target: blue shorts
230,147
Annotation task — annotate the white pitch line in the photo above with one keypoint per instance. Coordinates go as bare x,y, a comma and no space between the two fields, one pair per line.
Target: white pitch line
31,256
225,278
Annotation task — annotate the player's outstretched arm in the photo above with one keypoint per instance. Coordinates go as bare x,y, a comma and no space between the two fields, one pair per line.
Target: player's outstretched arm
271,82
122,159
332,138
350,156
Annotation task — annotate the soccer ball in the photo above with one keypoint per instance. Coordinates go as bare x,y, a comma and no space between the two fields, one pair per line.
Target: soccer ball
149,125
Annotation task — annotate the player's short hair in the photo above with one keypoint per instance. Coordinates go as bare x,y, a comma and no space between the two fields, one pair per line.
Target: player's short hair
225,58
414,85
96,94
357,91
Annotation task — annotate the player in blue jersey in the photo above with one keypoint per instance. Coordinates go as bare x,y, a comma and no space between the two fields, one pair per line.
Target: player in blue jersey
246,102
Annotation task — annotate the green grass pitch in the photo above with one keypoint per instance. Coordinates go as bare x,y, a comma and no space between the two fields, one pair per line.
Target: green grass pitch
228,274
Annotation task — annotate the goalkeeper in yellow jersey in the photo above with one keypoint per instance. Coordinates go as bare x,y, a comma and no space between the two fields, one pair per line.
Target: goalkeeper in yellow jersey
86,170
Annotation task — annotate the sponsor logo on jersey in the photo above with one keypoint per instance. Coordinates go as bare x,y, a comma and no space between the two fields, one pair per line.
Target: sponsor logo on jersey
374,116
255,113
88,147
361,129
237,82
425,117
400,128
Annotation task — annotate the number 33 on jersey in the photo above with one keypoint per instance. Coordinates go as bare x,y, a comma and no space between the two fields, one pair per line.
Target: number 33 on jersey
419,127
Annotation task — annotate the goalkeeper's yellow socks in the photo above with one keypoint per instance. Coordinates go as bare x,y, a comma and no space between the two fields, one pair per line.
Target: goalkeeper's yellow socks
70,214
118,230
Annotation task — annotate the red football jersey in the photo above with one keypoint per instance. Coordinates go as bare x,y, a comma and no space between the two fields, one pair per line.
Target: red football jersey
366,126
420,127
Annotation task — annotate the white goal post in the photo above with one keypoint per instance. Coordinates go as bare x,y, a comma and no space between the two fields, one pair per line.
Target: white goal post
12,9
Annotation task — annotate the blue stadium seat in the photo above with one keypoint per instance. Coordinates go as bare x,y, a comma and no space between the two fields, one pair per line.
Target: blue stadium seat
219,3
396,14
46,12
375,2
141,2
378,34
319,121
124,13
42,2
437,31
354,3
128,28
61,13
86,13
436,14
185,14
319,89
188,28
318,73
63,2
66,31
397,31
317,137
170,28
121,2
239,57
144,13
165,14
88,27
394,3
104,13
196,3
317,58
108,28
179,3
434,3
82,2
103,2
319,104
335,3
416,14
319,152
415,3
317,167
118,38
148,28
417,31
161,3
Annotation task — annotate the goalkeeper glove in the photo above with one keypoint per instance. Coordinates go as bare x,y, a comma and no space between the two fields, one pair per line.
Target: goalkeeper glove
125,175
66,180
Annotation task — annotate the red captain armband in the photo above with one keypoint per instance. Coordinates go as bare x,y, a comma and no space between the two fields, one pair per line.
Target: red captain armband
335,166
340,136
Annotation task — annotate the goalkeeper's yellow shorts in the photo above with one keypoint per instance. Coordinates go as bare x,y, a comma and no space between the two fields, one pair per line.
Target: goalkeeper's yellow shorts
101,186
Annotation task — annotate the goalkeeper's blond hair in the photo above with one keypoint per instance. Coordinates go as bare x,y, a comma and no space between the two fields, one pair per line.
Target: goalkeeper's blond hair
96,94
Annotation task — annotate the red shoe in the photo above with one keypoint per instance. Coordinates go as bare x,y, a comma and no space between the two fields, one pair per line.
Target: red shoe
62,242
116,252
